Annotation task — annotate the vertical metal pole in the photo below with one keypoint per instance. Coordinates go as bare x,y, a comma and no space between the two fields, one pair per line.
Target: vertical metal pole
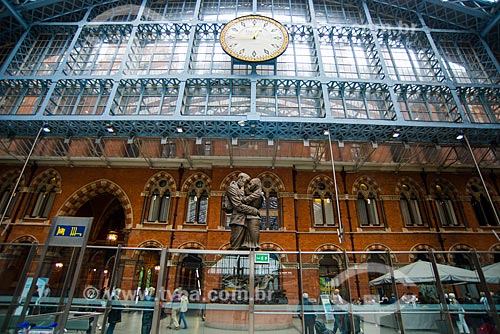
67,279
69,302
482,180
111,286
399,316
440,292
251,291
19,180
160,289
350,310
340,230
31,291
492,311
301,291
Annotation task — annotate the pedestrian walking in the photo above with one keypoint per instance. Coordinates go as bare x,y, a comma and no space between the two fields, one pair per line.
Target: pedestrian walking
183,310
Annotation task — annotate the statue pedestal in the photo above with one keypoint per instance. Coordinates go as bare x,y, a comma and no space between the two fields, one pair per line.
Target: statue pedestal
235,317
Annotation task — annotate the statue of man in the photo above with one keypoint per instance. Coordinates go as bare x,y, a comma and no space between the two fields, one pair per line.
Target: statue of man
235,192
253,197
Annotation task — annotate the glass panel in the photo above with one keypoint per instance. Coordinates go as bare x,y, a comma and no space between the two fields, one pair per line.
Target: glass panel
349,54
71,98
329,216
466,58
39,202
169,10
318,212
339,12
202,216
12,262
154,207
372,211
191,210
98,52
164,208
344,290
224,291
41,52
146,98
158,50
276,294
409,57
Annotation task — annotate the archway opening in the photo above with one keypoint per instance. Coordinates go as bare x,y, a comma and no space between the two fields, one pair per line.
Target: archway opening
109,216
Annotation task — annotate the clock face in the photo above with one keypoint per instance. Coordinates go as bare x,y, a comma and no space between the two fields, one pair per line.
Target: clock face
254,38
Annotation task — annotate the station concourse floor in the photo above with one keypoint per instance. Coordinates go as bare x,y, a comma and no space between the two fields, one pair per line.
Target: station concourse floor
131,324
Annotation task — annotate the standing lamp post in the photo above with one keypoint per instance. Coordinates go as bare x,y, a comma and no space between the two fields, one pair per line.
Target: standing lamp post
464,137
43,128
340,229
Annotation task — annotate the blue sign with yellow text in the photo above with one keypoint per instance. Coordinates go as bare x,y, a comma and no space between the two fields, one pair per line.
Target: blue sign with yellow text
69,231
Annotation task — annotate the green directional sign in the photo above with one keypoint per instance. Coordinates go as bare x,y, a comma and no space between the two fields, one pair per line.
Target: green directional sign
262,258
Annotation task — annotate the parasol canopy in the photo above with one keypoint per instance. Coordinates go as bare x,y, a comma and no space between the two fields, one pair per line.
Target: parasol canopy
421,272
492,273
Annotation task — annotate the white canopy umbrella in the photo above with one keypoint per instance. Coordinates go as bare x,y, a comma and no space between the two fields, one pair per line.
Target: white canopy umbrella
421,272
492,273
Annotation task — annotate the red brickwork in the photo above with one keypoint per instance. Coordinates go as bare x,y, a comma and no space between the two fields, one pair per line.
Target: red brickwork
76,187
79,185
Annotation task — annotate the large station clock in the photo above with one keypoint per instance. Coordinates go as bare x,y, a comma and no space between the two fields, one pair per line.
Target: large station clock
254,38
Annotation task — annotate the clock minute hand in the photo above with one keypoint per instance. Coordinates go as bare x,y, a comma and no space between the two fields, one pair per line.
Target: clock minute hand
254,36
240,37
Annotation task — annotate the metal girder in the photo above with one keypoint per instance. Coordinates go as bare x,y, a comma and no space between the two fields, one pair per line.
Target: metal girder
15,13
367,130
490,25
472,8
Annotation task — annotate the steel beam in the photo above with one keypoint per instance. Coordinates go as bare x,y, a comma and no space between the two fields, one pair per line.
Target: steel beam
16,14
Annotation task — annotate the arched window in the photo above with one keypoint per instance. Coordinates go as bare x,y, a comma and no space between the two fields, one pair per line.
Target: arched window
323,206
197,203
44,198
444,206
270,207
147,268
483,208
366,206
158,202
6,191
410,206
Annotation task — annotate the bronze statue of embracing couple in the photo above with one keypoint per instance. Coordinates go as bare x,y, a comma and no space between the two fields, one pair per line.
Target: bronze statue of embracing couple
246,197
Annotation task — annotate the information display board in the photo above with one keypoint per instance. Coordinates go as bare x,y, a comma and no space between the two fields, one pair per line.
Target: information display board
327,307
